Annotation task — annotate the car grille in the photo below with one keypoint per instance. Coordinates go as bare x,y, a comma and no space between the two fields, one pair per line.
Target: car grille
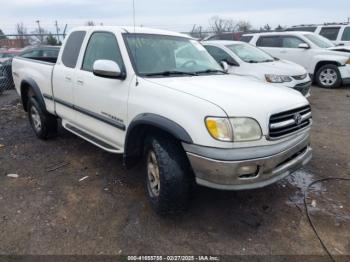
303,88
300,77
289,122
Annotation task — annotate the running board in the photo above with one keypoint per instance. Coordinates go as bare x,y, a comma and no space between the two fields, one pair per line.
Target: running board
92,139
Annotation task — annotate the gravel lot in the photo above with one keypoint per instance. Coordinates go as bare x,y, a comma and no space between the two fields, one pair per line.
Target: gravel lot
47,210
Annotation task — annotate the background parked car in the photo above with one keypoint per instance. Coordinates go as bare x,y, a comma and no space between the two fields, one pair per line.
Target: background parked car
339,34
329,64
42,53
224,36
247,60
8,54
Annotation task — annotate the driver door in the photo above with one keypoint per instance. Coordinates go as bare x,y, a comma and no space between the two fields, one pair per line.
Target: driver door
101,102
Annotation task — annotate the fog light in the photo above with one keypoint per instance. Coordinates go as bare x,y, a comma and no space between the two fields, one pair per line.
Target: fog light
248,170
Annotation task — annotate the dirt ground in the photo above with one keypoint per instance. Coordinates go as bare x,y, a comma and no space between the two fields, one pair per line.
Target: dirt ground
47,210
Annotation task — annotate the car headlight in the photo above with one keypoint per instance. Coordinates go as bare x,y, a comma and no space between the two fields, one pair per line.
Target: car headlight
245,129
278,78
234,129
219,128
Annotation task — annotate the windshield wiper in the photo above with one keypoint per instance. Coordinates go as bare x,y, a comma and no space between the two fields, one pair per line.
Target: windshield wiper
208,71
169,73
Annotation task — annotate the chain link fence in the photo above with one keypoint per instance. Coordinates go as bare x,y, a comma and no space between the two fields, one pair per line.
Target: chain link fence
6,80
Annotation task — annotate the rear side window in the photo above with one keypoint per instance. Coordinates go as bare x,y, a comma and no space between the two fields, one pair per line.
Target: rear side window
268,41
102,45
346,34
330,32
291,42
72,48
246,38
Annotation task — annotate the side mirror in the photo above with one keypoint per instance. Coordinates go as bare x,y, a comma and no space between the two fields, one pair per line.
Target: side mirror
304,46
224,65
107,69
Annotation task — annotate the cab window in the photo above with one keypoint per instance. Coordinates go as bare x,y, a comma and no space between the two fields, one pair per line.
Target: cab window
330,32
346,34
291,42
102,46
268,41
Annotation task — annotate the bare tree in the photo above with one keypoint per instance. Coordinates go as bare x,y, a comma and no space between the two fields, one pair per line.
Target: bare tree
267,27
219,25
244,26
90,23
22,32
197,32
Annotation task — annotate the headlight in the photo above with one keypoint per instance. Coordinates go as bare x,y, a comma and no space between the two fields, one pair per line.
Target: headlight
219,128
245,129
278,78
233,129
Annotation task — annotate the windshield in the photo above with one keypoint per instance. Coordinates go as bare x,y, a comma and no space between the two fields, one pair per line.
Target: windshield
320,41
250,54
169,56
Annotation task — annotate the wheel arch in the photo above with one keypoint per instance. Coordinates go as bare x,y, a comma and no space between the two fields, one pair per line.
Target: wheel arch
29,86
323,63
145,124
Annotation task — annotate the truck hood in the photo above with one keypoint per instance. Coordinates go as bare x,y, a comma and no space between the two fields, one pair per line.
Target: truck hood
345,49
237,96
281,67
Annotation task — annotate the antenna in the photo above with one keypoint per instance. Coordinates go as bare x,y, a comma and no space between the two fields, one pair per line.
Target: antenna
134,22
133,15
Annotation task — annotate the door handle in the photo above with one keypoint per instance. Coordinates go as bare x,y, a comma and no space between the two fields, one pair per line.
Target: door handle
283,52
80,82
68,78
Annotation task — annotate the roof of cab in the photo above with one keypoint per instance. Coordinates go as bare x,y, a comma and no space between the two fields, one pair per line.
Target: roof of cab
281,33
130,29
222,42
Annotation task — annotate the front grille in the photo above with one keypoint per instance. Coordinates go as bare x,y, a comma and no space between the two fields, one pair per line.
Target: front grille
300,77
303,88
289,122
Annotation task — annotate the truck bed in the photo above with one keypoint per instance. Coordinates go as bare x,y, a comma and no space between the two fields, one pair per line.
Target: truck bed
31,70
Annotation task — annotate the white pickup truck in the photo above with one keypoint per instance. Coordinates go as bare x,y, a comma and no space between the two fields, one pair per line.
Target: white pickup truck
159,97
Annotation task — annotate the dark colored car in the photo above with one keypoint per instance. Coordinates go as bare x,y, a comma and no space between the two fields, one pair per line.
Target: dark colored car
42,53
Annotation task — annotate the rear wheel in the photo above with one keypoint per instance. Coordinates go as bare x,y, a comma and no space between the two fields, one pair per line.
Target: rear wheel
328,76
169,179
43,124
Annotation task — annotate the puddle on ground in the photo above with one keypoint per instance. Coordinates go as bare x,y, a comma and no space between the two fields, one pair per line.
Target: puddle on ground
300,180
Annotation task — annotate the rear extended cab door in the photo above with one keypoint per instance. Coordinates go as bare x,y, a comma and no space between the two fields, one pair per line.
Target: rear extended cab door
64,76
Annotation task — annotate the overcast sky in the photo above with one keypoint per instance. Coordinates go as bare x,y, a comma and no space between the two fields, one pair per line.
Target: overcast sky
179,15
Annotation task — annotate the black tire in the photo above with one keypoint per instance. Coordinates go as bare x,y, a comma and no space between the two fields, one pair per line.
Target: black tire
175,175
333,74
48,122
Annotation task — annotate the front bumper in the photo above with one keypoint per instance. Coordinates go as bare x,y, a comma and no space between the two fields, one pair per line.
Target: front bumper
345,74
303,86
214,169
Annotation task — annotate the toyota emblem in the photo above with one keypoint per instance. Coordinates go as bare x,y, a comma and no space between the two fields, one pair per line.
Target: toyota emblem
298,118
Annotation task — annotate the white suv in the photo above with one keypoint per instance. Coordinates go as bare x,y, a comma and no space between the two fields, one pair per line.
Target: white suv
339,34
329,64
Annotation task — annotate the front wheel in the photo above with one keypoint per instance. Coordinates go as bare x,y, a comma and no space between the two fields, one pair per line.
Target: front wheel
169,179
328,76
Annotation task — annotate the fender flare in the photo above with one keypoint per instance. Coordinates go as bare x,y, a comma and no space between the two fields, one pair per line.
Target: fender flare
32,85
160,122
134,135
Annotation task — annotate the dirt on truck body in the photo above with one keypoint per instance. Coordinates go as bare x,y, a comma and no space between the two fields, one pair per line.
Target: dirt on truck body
64,196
